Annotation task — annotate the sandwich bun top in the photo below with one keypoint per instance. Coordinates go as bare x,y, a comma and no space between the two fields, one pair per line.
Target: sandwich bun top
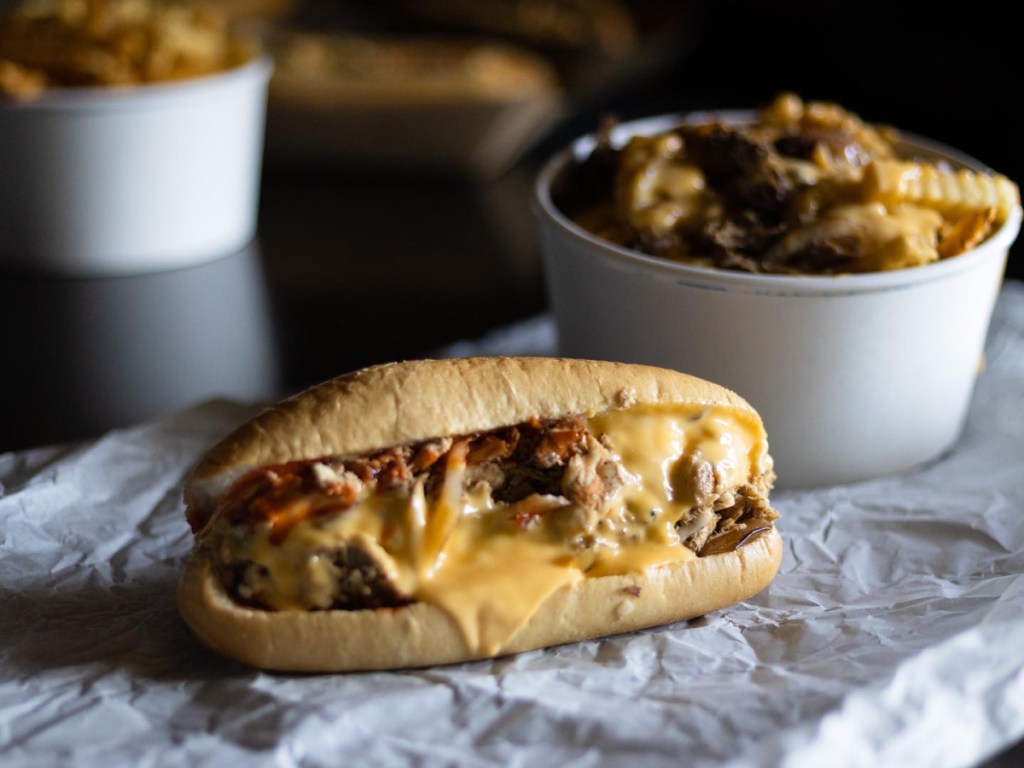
398,403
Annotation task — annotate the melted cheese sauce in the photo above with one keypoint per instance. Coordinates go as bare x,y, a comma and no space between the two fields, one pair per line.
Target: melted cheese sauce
895,236
467,555
656,190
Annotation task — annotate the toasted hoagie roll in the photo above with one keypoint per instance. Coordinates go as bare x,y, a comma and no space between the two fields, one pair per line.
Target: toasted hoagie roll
438,511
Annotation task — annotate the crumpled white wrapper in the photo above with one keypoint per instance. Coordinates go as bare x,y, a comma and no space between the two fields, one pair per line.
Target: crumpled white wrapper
893,635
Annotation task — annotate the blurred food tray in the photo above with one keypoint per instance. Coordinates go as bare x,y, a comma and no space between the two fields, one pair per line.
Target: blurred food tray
447,86
363,102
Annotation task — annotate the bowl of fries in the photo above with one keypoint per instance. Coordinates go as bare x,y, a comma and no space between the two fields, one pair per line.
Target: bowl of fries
839,276
131,137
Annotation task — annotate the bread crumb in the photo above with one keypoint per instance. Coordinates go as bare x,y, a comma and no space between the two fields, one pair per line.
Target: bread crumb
624,608
625,397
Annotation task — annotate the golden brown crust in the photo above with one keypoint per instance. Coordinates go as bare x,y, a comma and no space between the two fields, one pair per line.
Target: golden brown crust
421,634
398,403
403,403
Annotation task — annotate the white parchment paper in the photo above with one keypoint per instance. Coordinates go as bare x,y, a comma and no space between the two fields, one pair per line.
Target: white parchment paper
893,636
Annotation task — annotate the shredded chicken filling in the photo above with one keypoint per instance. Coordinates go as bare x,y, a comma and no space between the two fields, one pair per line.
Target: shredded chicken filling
550,481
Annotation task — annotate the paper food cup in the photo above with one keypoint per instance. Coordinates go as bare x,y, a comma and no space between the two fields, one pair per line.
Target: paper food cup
106,181
855,376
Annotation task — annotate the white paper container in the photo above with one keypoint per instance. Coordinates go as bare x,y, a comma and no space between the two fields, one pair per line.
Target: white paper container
104,181
855,376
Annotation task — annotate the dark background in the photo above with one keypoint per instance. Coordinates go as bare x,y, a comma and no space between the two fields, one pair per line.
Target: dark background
354,266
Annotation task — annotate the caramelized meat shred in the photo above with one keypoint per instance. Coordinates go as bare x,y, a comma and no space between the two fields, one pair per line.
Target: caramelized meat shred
547,468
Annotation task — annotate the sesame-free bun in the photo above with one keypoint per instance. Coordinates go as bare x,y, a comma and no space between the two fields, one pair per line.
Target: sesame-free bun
402,403
398,403
422,634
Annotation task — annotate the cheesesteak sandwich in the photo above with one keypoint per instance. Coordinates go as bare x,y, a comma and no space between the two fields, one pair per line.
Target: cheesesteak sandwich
438,511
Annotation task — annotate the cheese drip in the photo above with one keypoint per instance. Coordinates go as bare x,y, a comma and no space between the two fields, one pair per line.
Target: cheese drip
466,554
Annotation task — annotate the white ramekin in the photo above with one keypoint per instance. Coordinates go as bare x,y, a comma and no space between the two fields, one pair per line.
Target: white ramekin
855,376
107,181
